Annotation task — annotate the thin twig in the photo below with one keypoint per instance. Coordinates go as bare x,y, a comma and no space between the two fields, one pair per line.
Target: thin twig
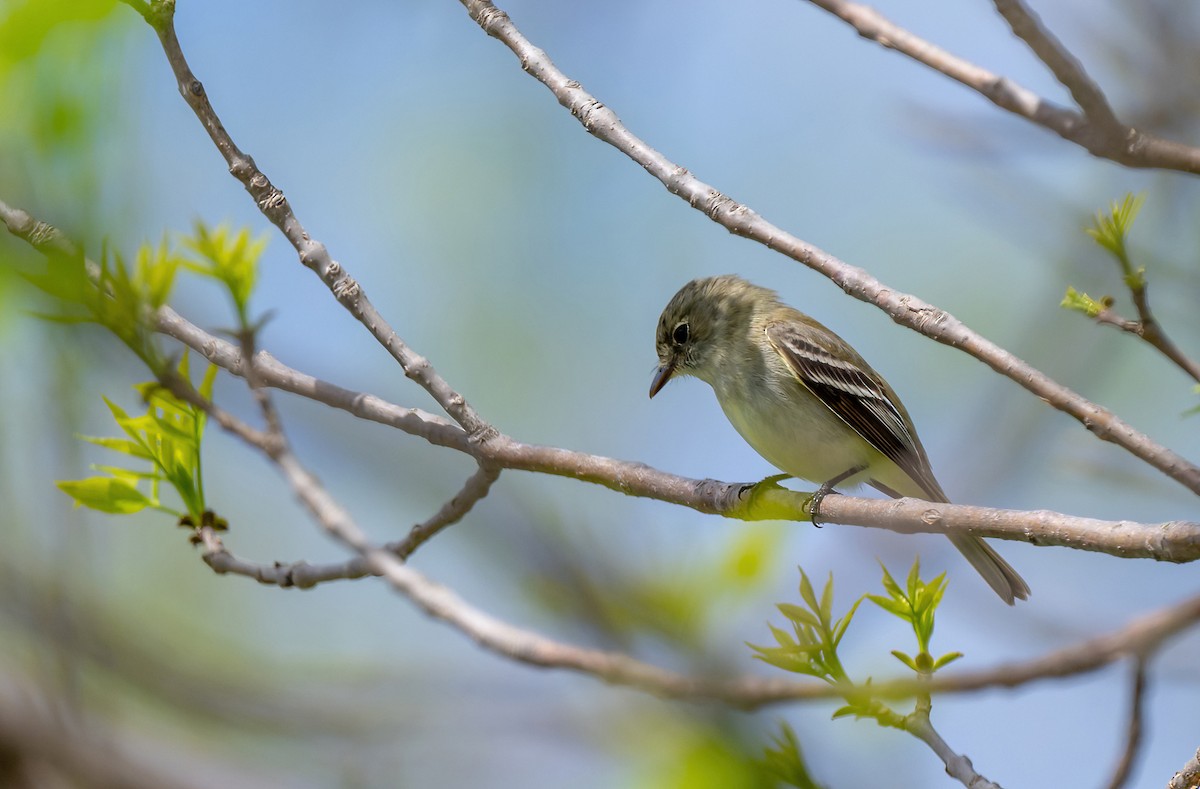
1135,728
603,123
302,575
259,390
474,489
958,766
1118,143
1066,67
1150,330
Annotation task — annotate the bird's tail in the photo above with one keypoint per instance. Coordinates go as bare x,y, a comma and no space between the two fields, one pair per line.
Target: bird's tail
998,573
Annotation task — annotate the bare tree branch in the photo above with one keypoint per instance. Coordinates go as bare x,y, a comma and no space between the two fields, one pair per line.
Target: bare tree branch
303,575
907,310
1066,67
1108,140
312,253
1140,638
1189,776
958,767
1176,541
1134,729
474,489
1150,330
603,123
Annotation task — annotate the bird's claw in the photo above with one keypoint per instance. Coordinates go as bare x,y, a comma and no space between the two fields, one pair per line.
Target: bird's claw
814,503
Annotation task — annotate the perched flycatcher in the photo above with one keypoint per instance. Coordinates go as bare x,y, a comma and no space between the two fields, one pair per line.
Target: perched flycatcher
804,399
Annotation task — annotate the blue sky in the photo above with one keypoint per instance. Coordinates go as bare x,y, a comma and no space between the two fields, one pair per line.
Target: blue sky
529,262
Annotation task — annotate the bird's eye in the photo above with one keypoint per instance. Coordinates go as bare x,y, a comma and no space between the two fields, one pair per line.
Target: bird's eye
680,334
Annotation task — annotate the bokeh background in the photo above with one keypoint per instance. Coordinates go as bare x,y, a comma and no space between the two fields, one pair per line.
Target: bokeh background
529,262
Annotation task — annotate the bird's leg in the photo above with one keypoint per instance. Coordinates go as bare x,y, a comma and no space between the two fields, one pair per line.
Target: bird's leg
814,504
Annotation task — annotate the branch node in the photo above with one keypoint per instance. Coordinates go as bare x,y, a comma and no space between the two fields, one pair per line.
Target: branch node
932,516
488,17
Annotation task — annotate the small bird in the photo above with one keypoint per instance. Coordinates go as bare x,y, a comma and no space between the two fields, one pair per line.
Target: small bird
805,400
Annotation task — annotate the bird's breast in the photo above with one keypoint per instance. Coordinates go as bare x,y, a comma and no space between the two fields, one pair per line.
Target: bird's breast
792,429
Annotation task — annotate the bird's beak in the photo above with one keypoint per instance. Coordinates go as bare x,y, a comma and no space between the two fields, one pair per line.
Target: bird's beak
661,377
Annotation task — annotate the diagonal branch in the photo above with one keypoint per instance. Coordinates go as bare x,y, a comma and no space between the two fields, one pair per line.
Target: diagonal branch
600,121
160,14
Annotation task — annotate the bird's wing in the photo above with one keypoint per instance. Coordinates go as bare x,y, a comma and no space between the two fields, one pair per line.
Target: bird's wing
856,393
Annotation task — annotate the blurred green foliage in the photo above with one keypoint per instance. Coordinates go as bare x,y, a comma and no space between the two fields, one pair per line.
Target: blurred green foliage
61,97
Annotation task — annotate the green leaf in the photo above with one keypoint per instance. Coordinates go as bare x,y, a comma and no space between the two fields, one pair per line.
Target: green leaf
946,659
1109,231
165,428
206,385
129,475
132,448
914,578
117,412
786,760
905,659
827,600
229,259
890,585
65,278
895,607
798,614
106,494
782,636
1081,302
154,272
839,629
807,594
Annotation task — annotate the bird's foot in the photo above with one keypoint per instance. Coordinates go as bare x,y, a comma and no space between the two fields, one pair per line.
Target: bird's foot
814,503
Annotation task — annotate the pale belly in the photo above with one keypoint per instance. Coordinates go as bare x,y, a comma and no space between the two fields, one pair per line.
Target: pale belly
802,437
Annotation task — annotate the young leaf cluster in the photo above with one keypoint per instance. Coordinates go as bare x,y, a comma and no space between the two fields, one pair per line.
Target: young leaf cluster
916,604
1110,231
167,439
123,298
120,297
230,259
811,646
